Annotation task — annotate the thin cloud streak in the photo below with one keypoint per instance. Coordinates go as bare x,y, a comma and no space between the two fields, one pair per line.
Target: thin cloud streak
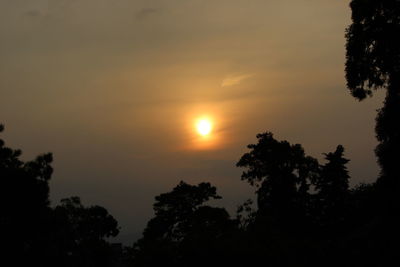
235,80
33,13
147,12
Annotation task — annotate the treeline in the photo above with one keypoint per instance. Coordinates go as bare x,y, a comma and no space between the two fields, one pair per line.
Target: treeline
33,233
305,214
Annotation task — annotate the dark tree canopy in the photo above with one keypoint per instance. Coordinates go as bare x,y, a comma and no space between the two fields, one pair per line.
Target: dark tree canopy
88,223
184,199
82,233
373,61
332,186
33,233
183,228
173,210
373,46
29,178
334,178
281,171
24,203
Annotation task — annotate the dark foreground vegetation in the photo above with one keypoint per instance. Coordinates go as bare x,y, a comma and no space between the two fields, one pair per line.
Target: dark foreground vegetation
304,213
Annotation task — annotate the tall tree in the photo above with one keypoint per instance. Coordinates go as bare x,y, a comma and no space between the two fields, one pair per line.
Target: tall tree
32,233
333,187
282,173
373,62
24,205
82,234
184,229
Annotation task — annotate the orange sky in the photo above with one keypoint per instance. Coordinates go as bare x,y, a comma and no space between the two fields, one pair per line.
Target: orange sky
114,88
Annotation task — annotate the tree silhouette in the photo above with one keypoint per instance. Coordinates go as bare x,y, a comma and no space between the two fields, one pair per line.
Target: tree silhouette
303,207
245,214
282,173
332,186
89,223
85,231
183,229
24,204
33,233
373,62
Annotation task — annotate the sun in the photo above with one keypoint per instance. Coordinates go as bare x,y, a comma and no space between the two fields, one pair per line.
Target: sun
204,127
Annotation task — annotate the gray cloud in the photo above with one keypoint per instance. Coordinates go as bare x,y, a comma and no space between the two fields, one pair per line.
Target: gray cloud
146,12
33,13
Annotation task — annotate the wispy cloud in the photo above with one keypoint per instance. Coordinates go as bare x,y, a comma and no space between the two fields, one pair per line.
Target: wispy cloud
33,13
146,12
235,79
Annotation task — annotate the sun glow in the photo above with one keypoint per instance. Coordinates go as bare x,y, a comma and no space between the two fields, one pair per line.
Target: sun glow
204,127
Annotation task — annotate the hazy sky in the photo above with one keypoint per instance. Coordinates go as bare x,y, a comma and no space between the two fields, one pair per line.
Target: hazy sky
113,88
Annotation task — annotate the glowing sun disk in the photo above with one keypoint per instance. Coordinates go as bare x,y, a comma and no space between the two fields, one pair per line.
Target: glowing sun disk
204,127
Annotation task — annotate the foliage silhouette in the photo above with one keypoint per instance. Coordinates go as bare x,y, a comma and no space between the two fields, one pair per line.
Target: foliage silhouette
33,233
332,186
283,175
373,62
24,204
86,230
245,214
184,228
301,204
306,213
93,223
